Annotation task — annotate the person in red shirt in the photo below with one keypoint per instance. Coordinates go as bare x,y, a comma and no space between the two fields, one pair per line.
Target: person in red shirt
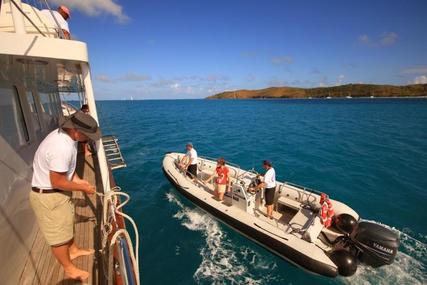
222,179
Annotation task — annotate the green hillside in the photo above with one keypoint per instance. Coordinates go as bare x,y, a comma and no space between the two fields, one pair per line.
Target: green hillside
353,90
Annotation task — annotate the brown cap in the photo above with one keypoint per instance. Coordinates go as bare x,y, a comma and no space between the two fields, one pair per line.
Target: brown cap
83,123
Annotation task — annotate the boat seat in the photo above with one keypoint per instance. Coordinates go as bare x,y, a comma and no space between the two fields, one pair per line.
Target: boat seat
307,223
289,203
313,230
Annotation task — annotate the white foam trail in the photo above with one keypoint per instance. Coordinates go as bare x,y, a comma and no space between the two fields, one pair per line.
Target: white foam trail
221,262
409,267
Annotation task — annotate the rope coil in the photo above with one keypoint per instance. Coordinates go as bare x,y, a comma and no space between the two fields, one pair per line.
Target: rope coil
110,209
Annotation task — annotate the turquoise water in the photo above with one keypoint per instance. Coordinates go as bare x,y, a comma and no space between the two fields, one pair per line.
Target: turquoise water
370,154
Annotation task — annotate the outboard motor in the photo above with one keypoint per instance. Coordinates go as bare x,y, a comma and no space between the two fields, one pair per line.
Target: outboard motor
367,242
377,244
346,223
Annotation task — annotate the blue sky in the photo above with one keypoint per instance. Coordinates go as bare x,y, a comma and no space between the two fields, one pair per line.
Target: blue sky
161,49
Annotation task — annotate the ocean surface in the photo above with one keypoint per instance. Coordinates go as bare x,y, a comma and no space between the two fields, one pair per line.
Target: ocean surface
369,153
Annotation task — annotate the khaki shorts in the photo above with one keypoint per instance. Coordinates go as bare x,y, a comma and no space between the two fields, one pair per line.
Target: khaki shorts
221,188
55,215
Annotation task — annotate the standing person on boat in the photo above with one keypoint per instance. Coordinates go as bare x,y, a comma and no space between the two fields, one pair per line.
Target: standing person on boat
269,184
222,179
89,147
54,179
61,17
189,161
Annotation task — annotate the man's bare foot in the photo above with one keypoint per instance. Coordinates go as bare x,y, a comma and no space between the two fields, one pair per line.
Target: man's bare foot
75,273
80,252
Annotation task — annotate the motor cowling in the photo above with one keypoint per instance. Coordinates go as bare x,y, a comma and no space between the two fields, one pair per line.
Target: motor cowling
346,223
345,262
378,245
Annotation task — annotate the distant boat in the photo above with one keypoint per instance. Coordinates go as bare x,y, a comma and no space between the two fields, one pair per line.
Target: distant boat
348,97
329,97
372,96
131,98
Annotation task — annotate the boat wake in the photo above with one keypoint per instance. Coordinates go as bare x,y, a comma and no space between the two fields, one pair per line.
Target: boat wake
409,266
222,262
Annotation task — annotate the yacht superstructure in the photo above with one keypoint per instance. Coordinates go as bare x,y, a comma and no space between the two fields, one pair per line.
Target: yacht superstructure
39,72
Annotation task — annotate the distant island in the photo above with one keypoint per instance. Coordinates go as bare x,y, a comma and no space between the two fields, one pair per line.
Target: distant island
342,91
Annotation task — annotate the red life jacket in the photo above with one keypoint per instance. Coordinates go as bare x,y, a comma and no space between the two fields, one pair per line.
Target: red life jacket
222,177
326,213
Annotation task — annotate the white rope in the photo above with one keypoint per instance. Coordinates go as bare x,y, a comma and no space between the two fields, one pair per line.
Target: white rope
109,202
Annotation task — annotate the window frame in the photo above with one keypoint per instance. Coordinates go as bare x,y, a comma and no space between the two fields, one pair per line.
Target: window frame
27,131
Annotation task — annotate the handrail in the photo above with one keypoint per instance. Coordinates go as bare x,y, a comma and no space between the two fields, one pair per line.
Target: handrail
302,187
214,160
26,16
244,192
61,32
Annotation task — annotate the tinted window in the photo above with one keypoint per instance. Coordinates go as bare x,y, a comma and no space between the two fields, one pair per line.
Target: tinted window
46,103
12,124
32,105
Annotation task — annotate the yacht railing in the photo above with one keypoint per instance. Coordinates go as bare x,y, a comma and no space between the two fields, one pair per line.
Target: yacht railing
28,18
58,27
120,236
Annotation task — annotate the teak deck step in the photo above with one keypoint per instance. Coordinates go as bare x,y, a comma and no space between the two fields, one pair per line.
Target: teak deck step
41,268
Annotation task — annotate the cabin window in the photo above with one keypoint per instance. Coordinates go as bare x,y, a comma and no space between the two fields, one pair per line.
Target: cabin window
12,124
34,114
47,105
56,105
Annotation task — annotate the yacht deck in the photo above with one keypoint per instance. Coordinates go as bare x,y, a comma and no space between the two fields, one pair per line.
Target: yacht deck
41,268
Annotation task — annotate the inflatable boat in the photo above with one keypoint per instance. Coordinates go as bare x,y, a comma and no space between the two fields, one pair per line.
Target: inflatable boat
296,232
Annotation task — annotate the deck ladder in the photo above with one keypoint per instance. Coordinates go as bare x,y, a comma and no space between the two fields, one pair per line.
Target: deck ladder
112,152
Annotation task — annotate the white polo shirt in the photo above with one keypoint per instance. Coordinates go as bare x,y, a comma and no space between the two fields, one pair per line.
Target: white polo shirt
270,178
192,154
57,152
61,21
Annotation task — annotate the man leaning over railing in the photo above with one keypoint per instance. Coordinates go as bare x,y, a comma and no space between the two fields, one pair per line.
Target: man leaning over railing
60,20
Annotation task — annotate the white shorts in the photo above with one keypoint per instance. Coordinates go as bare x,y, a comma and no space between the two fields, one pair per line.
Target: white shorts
221,188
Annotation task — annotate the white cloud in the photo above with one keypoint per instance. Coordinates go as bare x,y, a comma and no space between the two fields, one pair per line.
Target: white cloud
215,78
95,8
364,39
387,39
276,82
383,40
103,78
180,89
135,77
131,76
422,79
340,79
282,60
420,69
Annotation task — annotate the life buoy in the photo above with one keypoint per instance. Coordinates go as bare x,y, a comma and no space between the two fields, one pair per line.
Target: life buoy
327,211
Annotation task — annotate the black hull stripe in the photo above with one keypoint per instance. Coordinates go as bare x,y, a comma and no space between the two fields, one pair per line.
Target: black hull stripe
275,246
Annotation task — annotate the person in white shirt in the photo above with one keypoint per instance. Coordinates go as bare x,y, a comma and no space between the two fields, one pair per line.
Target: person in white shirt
189,161
54,180
269,184
61,16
